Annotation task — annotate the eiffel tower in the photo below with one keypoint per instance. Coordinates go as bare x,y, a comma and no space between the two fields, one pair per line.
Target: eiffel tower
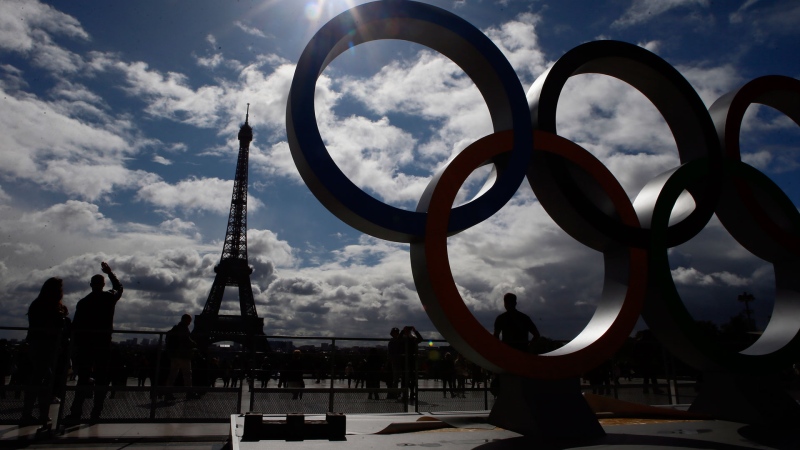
233,270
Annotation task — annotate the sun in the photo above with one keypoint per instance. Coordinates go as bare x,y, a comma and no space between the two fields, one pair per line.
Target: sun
325,9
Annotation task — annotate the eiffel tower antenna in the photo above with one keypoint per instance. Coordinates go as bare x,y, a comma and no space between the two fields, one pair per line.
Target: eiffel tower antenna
233,269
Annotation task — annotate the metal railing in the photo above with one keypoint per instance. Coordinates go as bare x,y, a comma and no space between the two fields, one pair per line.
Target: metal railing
205,402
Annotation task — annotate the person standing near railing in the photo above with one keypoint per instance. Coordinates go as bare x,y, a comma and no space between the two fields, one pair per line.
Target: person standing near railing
461,373
93,324
514,326
396,360
47,321
292,374
349,371
411,339
180,347
6,363
448,372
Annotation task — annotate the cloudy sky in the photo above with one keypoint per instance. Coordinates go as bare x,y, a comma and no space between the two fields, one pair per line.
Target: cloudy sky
118,143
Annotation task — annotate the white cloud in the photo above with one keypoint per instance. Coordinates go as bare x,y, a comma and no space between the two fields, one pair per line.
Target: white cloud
765,20
711,82
161,160
623,129
518,41
68,154
691,276
3,196
346,296
93,181
13,79
432,88
220,106
645,10
70,216
249,30
193,195
370,152
27,26
212,61
177,225
737,16
161,268
265,245
21,20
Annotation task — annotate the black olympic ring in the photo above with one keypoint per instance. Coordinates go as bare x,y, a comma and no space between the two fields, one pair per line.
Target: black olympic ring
575,189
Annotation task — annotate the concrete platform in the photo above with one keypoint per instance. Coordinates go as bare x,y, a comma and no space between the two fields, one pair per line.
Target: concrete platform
458,431
446,431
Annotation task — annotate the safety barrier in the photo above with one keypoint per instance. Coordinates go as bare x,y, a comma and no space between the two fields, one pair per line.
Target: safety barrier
153,402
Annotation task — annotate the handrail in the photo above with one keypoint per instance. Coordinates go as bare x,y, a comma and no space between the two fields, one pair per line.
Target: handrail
156,332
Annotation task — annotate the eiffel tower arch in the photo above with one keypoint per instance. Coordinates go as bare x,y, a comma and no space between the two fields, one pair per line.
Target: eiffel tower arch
233,270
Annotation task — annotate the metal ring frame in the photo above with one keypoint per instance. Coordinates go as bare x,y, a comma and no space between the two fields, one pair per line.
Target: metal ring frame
575,189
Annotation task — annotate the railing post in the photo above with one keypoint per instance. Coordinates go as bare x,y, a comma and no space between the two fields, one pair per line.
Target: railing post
63,376
669,368
404,379
239,399
486,395
252,401
154,379
333,374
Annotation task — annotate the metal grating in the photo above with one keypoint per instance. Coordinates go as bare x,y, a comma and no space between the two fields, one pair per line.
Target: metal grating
281,401
320,401
198,405
357,401
144,404
121,404
11,399
432,400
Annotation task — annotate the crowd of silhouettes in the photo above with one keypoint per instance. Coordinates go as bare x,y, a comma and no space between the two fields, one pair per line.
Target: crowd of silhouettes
43,363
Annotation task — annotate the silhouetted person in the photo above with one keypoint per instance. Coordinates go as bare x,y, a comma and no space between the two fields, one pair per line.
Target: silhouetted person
47,321
180,346
396,360
6,362
461,372
600,378
411,339
293,375
93,324
264,372
236,371
372,373
514,326
448,372
349,371
226,373
22,368
647,354
142,369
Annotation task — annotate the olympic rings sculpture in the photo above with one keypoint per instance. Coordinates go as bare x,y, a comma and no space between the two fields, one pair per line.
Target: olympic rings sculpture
575,189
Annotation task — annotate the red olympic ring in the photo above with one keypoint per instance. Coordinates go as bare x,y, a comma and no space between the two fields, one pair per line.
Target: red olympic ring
623,291
578,192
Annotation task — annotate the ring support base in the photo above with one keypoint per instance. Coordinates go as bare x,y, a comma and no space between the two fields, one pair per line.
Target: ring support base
755,400
550,410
